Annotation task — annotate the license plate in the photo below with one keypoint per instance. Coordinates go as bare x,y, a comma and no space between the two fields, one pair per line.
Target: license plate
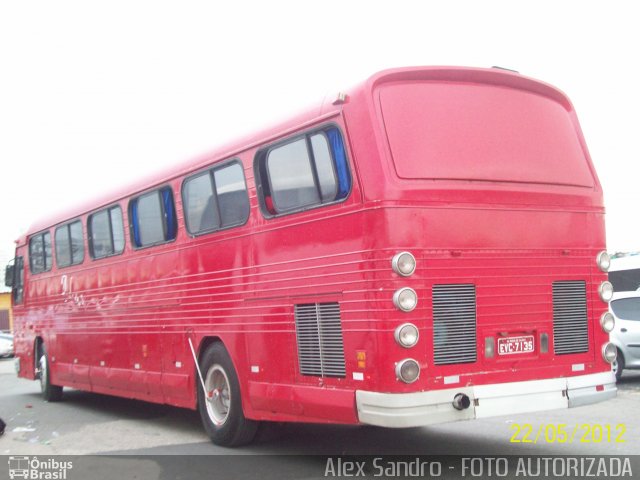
515,345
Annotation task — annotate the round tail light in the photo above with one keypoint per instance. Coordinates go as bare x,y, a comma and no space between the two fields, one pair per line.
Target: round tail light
408,370
405,299
609,352
604,261
606,291
607,322
407,335
403,263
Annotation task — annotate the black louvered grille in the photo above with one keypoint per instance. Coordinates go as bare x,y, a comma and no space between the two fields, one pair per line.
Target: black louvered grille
570,324
319,336
454,324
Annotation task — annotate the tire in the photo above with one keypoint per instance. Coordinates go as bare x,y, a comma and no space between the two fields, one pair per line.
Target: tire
221,413
50,392
618,366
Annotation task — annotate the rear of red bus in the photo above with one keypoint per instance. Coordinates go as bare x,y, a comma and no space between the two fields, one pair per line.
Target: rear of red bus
488,224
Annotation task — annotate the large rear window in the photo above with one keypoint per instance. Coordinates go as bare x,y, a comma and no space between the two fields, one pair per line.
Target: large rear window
465,131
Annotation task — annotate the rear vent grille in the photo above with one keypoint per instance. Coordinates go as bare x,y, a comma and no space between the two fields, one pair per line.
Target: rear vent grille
570,325
319,336
454,324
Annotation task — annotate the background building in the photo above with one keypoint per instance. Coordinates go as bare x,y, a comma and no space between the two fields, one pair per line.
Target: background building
6,318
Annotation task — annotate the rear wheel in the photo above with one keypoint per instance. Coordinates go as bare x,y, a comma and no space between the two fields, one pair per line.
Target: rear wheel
50,392
220,406
618,365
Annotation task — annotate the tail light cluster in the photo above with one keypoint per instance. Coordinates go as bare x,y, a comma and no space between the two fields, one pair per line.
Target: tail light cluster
405,299
607,320
407,335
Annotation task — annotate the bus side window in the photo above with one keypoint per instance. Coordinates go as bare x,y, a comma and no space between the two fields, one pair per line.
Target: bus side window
40,256
233,201
106,232
216,199
201,213
152,217
304,172
69,244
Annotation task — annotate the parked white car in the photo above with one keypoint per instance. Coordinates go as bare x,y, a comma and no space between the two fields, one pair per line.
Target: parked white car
6,345
625,307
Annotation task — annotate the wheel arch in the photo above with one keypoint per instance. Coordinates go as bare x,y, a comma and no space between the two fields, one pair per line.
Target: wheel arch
206,342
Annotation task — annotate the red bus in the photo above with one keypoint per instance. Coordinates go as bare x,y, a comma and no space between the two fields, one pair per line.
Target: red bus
426,247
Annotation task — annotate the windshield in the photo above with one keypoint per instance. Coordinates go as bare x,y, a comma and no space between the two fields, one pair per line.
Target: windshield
479,132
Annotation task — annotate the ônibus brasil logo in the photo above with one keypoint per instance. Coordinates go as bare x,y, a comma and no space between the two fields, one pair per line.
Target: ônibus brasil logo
34,469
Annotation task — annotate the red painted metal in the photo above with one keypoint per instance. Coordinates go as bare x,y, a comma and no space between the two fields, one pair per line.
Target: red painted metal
462,206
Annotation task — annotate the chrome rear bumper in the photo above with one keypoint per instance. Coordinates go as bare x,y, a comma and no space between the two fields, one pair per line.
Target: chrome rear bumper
425,408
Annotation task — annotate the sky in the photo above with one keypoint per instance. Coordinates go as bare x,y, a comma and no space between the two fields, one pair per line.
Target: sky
96,94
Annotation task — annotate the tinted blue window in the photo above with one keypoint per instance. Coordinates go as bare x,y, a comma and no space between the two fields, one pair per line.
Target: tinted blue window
340,159
307,171
153,218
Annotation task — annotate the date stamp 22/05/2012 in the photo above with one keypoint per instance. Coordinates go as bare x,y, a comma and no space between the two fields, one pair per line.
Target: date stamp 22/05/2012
565,433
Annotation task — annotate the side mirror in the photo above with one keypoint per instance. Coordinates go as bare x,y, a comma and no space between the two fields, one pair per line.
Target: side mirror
8,275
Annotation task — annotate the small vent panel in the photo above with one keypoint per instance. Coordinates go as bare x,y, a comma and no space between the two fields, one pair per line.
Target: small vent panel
570,324
454,324
319,336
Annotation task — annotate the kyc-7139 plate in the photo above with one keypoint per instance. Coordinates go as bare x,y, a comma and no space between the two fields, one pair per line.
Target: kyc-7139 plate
514,345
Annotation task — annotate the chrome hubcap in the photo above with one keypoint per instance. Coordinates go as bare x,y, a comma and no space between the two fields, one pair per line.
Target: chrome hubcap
218,394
